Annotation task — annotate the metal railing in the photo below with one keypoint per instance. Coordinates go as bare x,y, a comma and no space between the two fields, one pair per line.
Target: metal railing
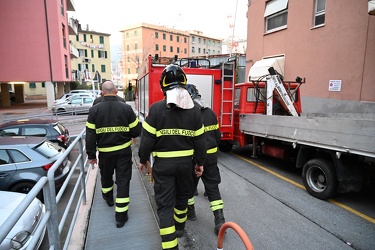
51,218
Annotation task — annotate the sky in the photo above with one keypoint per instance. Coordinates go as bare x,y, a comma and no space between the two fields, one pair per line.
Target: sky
214,18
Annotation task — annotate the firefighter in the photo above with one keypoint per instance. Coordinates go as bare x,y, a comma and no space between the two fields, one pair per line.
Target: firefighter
110,127
173,132
211,175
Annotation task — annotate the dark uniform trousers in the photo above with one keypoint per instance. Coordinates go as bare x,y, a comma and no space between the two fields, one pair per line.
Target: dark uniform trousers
211,180
172,189
122,164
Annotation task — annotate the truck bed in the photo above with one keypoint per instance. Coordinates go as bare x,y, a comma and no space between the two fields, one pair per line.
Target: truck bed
353,133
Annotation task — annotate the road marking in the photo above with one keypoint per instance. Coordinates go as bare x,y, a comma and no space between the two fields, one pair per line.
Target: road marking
368,218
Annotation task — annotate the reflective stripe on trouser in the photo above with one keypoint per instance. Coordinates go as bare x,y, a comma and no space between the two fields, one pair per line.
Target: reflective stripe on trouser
168,236
191,201
172,181
216,205
122,164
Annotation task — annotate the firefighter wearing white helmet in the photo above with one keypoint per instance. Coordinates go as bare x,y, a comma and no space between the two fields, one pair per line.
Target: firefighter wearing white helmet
211,175
173,132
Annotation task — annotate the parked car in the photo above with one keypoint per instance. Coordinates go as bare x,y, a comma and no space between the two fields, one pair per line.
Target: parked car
79,105
26,159
23,231
70,96
51,129
12,96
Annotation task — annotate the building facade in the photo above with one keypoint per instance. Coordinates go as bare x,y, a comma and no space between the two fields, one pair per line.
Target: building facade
141,40
317,40
36,48
93,64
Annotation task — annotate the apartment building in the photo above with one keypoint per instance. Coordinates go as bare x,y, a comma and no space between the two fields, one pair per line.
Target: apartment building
143,39
93,64
35,51
330,43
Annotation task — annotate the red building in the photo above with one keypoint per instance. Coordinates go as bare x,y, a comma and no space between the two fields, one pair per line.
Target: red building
330,43
35,45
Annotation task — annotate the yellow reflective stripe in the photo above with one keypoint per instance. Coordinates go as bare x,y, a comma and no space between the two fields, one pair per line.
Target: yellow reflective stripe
117,129
169,244
176,211
191,201
106,190
211,127
148,128
175,131
121,209
167,230
199,131
115,148
133,124
90,125
122,200
215,205
172,154
180,220
212,150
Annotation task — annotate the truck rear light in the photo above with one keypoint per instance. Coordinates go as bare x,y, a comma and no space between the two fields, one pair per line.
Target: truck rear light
226,135
47,166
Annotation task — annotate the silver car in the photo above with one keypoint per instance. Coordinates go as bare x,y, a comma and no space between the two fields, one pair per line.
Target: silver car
24,160
70,96
77,105
23,231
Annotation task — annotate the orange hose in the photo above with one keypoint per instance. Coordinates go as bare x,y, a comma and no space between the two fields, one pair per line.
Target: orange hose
246,241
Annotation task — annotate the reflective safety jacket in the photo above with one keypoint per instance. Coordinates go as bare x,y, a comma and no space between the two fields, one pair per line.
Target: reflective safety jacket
110,127
172,132
211,129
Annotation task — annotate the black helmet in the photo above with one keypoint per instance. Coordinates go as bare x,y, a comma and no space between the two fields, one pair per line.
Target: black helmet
171,77
193,91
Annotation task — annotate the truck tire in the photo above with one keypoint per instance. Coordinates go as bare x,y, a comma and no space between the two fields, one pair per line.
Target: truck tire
225,146
319,178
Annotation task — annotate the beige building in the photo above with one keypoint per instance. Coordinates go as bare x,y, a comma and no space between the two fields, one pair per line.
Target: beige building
141,40
94,61
330,43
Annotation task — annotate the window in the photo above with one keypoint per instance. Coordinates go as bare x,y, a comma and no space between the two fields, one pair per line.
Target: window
127,34
171,37
192,49
92,54
84,37
77,37
136,46
157,47
164,48
171,48
102,54
32,85
185,51
164,36
93,67
63,35
135,33
66,66
185,40
35,131
129,71
103,68
178,49
156,35
101,39
178,39
62,11
199,40
199,50
18,156
320,12
276,15
127,47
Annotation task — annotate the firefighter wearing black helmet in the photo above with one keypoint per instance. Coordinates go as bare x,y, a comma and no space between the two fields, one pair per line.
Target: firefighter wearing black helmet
173,133
211,175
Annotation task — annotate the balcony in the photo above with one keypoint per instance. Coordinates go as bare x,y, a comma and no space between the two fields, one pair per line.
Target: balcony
73,51
70,5
73,26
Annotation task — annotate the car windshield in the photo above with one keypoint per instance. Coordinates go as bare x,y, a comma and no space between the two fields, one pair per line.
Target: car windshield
48,149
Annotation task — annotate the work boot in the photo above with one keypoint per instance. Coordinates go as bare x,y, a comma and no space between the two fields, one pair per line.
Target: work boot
121,222
219,220
191,213
108,197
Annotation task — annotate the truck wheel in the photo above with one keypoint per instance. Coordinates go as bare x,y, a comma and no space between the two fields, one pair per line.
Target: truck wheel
225,146
319,178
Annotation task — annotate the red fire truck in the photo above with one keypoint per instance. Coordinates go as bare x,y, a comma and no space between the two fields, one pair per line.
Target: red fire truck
214,82
336,152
